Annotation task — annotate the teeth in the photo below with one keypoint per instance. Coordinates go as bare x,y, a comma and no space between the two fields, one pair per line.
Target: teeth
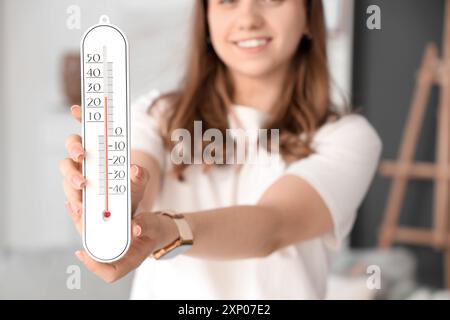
252,43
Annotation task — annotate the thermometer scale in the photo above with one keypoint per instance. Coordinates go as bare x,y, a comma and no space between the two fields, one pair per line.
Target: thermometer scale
106,140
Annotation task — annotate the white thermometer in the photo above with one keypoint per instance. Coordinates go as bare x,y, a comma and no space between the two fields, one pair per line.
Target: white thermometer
106,141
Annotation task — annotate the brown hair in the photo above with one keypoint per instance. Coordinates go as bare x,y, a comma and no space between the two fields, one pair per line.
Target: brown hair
206,92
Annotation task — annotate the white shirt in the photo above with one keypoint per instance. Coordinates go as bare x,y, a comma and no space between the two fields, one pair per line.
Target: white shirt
341,170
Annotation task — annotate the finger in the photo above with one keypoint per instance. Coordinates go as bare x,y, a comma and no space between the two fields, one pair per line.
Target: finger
72,174
144,225
105,271
139,178
140,249
73,195
111,272
76,112
75,148
75,215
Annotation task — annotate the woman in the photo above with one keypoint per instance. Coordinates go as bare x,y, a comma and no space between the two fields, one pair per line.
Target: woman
261,230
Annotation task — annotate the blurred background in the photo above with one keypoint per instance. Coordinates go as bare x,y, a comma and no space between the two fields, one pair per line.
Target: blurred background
372,69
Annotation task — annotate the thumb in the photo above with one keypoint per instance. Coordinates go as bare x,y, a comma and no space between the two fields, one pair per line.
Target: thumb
145,224
139,178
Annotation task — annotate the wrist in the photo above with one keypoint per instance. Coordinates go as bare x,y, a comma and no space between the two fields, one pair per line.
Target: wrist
167,231
172,243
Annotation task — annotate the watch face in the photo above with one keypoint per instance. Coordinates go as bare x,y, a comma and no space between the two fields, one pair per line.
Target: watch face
178,250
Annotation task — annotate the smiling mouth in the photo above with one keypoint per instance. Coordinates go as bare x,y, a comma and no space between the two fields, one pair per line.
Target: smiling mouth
253,44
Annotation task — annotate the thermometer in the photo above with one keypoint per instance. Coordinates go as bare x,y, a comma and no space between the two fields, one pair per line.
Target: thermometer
106,141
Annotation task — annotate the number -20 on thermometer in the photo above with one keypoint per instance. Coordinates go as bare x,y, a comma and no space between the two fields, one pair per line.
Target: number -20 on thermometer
106,141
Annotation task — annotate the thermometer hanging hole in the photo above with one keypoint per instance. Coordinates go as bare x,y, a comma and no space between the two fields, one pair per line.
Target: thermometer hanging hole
104,19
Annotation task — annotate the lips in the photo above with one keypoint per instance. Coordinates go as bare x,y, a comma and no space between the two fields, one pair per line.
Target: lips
253,44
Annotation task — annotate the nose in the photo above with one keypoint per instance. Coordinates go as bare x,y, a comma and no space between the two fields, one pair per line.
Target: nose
249,16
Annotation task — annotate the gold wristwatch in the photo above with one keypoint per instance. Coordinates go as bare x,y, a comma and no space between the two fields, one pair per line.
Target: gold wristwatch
184,241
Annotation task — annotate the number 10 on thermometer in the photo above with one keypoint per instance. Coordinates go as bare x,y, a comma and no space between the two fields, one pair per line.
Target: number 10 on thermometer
106,141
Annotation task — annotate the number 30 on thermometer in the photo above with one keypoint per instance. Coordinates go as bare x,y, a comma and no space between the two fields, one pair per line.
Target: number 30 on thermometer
106,141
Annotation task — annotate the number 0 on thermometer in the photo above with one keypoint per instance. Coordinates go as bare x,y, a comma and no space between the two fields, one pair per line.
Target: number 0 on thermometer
106,141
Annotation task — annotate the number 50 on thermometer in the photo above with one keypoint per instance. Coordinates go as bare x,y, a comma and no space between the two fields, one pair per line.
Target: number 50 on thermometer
106,141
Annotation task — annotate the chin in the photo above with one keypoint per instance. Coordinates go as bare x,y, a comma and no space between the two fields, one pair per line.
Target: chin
252,68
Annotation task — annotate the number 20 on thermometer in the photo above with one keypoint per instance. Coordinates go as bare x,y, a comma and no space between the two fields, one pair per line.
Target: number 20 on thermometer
106,141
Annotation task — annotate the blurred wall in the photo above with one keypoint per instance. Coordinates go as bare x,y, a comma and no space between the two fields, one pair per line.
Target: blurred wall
3,163
339,17
386,63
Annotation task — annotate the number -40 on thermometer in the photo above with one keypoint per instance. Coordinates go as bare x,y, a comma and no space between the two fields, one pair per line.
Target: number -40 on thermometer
106,141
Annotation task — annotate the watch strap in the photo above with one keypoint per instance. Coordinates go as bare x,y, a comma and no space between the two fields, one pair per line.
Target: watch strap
184,240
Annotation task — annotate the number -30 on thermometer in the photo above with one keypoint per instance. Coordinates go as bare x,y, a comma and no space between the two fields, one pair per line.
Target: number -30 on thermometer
106,141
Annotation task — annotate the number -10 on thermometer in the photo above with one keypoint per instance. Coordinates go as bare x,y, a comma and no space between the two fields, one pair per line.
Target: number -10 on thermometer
106,141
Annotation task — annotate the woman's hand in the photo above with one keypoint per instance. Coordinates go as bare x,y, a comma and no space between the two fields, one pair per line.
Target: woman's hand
149,232
144,225
73,179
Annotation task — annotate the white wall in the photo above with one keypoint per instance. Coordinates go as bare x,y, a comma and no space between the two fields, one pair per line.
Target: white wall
34,197
35,117
2,136
340,48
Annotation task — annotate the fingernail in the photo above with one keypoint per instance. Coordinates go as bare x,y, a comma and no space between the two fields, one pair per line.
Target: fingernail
76,207
79,255
77,153
68,208
137,230
78,181
136,171
73,107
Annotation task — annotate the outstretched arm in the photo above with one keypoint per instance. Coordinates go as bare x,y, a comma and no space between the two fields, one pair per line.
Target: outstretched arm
290,211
